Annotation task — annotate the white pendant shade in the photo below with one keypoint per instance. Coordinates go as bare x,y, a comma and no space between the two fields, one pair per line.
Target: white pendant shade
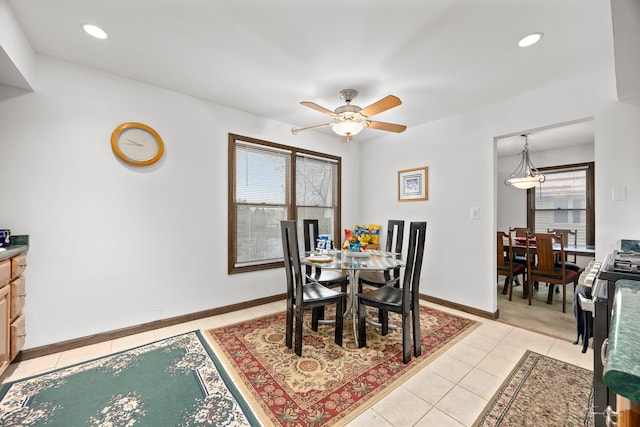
526,182
526,175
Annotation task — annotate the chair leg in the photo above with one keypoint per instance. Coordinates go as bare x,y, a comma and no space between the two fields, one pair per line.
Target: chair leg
417,341
505,287
384,322
298,331
339,321
564,298
289,331
510,282
362,326
406,344
317,313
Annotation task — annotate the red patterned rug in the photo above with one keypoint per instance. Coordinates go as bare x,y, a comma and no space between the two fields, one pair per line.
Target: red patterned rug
329,384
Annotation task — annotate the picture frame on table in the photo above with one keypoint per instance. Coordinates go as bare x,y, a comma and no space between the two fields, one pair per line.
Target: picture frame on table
413,185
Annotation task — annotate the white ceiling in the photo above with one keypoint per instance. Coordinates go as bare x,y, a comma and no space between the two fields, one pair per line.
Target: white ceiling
441,57
550,138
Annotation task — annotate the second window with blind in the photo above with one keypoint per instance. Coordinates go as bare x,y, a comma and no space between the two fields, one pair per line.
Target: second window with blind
565,200
268,183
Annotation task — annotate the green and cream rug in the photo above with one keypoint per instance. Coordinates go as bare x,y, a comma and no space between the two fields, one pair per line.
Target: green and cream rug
172,382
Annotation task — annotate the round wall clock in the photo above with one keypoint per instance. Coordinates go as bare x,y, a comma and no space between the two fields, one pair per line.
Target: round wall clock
137,144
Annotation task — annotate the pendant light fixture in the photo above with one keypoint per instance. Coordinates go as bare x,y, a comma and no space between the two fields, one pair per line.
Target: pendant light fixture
526,175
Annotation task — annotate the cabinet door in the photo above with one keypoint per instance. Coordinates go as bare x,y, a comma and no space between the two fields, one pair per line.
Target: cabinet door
4,328
18,295
18,265
5,271
18,334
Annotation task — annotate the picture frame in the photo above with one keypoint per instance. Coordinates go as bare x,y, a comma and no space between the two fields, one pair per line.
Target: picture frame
413,185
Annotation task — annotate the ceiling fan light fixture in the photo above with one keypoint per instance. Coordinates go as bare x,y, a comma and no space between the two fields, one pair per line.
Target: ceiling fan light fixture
526,175
348,127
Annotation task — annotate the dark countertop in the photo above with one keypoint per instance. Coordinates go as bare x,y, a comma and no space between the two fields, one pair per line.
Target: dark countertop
622,367
18,245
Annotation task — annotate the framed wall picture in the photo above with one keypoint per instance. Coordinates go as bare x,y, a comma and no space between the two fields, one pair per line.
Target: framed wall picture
413,185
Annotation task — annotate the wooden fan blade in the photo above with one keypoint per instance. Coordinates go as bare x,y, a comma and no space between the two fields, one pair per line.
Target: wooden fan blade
295,131
384,104
317,108
391,127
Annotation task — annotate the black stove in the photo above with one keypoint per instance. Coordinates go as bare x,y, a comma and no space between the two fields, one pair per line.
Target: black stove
624,262
619,265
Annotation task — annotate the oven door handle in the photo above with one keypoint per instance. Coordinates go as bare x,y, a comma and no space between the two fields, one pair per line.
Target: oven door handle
603,351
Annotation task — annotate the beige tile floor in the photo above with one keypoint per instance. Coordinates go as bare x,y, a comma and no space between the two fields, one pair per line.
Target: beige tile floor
450,391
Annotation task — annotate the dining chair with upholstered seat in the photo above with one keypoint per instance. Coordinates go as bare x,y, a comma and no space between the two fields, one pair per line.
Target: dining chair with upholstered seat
329,278
395,237
548,268
404,300
519,257
505,263
309,295
568,237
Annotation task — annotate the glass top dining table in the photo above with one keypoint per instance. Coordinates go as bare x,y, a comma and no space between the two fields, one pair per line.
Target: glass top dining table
353,263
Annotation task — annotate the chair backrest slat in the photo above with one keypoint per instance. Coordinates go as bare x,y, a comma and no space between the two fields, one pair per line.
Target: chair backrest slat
546,258
520,232
395,228
310,236
291,254
502,255
411,284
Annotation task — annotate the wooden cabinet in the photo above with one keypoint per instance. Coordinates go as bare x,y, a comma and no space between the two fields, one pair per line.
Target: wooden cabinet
628,412
12,300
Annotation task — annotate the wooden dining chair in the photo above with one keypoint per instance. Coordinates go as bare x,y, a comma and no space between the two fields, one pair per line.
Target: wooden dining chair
302,296
395,237
404,300
568,237
546,269
519,257
329,278
506,265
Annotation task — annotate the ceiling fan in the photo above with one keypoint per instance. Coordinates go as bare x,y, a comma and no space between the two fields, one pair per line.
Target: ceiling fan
351,119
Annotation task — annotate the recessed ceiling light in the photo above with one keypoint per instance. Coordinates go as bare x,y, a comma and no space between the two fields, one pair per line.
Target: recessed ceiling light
531,39
94,31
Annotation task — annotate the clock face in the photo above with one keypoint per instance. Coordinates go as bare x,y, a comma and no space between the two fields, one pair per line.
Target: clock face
137,144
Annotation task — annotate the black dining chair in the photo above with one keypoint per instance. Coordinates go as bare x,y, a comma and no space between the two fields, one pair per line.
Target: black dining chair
404,300
302,296
329,278
395,237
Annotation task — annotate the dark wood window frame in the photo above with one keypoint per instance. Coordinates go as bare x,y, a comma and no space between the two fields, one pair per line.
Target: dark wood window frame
590,198
291,206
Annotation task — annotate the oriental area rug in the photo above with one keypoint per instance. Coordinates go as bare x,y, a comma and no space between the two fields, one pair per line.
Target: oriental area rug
171,382
541,391
329,384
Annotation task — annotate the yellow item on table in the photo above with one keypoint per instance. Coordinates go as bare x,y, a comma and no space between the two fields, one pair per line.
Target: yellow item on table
374,230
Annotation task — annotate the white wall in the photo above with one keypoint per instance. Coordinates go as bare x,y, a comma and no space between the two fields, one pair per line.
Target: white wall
114,246
617,155
460,154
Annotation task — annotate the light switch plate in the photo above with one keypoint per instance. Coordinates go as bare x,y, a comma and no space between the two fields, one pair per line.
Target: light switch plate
475,212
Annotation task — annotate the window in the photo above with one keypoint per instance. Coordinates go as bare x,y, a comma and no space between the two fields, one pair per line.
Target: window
268,183
564,200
